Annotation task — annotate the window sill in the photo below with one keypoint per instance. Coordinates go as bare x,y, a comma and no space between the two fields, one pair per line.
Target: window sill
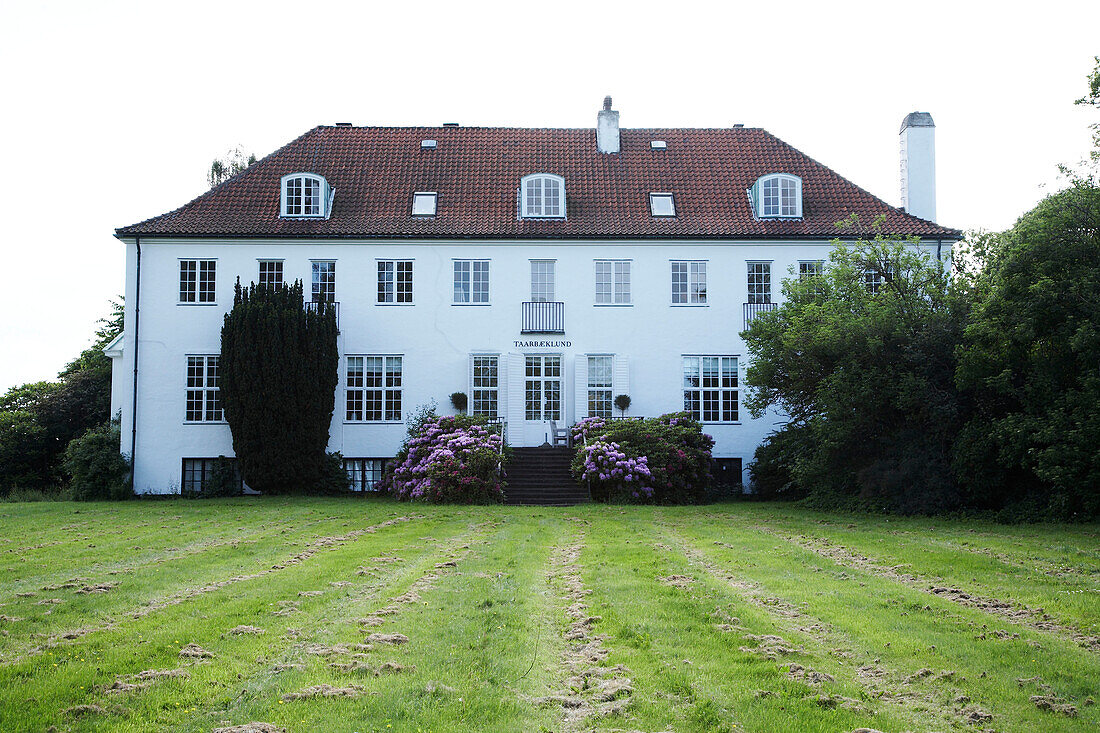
205,422
738,422
467,305
392,305
613,305
374,422
196,304
690,305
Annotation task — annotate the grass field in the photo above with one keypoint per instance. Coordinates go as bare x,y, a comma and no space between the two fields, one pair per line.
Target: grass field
332,615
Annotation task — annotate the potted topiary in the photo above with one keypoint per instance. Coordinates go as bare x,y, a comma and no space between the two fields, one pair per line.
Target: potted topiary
622,402
458,399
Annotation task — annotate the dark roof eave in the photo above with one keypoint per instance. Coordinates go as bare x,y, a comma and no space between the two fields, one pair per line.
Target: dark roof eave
953,235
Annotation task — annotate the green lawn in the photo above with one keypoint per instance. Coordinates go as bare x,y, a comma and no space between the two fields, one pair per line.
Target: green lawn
365,615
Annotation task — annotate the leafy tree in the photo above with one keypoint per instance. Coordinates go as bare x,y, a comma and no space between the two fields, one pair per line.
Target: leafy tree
229,165
1029,360
279,366
865,375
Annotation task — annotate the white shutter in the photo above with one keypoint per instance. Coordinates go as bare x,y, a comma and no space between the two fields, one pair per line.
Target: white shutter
620,380
580,388
513,378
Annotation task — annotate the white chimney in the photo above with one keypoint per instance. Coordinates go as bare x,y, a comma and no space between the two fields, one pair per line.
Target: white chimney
918,165
607,128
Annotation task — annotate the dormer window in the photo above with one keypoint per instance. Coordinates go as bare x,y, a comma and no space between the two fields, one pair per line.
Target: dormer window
542,196
306,196
662,205
778,196
424,203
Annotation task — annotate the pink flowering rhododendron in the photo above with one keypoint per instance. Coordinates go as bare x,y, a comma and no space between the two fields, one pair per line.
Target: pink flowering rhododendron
450,460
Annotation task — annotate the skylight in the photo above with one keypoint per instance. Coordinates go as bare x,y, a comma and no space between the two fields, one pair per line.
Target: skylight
661,204
424,203
427,144
658,144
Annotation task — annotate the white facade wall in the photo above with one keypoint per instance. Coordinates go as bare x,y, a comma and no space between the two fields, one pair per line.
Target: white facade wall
436,337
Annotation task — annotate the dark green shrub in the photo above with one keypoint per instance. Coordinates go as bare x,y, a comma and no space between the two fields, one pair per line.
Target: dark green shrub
224,480
96,468
622,403
458,399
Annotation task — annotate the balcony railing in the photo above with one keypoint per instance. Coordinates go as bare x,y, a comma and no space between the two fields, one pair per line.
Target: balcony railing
752,310
543,317
315,306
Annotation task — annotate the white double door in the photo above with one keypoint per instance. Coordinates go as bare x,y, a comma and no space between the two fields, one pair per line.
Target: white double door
543,391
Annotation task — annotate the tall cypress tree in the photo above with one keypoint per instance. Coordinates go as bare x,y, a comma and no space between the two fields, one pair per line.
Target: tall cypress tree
279,371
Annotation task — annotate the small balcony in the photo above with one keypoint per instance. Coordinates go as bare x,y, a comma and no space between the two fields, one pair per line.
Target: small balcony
543,317
752,310
315,306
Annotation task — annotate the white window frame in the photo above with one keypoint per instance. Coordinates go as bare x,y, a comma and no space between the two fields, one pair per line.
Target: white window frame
612,282
810,268
875,280
278,267
204,394
201,288
316,289
662,197
543,276
703,396
471,282
759,281
600,389
424,203
786,200
533,202
387,394
391,281
693,275
318,208
485,386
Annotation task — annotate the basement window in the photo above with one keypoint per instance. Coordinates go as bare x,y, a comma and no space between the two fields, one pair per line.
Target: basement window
662,205
424,203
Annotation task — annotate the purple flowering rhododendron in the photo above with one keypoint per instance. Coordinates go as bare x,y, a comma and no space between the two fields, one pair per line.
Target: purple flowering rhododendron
605,462
450,460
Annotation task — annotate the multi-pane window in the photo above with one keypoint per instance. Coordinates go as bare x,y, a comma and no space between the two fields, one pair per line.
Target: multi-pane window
197,472
471,281
271,273
373,389
197,281
395,281
661,204
599,386
543,196
612,282
424,203
486,386
760,282
364,474
710,388
543,388
811,268
324,282
875,279
779,196
689,282
542,281
204,402
302,196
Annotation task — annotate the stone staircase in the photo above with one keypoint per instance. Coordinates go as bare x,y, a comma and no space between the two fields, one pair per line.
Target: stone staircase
540,476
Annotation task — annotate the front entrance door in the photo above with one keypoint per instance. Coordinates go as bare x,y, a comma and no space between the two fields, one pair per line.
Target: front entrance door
542,391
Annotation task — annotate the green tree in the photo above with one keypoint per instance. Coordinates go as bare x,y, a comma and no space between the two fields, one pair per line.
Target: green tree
229,165
279,365
860,358
1028,362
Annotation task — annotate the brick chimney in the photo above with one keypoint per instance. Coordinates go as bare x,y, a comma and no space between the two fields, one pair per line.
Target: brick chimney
607,128
918,165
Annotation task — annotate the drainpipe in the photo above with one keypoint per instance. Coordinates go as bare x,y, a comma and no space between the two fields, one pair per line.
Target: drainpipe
134,403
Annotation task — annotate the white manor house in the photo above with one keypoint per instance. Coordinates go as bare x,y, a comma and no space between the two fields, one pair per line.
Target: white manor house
540,271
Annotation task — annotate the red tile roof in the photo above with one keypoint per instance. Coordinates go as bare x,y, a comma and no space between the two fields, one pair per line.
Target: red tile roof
477,170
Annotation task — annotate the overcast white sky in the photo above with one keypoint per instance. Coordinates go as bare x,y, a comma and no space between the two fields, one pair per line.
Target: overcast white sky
110,112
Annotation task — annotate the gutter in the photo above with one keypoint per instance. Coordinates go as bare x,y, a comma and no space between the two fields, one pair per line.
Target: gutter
134,403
